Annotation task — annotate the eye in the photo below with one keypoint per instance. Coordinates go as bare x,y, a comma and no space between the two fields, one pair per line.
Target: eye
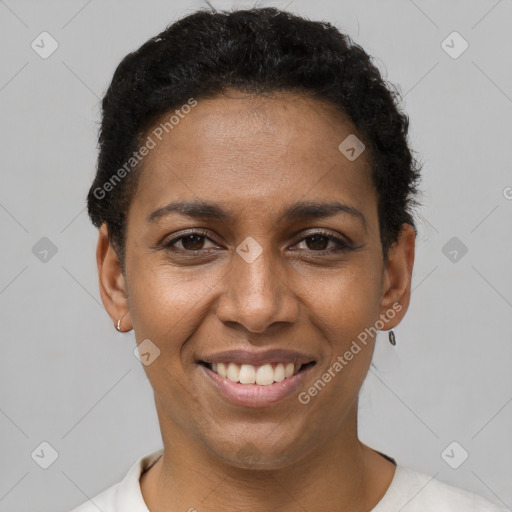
190,242
319,241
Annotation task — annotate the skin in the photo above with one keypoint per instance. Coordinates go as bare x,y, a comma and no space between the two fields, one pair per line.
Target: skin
255,156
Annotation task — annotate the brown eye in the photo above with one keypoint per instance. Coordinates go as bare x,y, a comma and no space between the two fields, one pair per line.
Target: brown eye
192,242
317,242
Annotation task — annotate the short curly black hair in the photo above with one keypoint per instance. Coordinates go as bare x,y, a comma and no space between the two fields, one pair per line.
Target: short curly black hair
259,51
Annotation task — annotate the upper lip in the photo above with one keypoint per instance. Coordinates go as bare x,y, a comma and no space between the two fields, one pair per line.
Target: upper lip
278,355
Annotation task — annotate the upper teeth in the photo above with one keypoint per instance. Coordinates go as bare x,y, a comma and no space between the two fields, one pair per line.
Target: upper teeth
263,375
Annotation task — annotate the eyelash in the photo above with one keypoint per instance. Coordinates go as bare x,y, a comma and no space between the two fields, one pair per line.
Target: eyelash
340,244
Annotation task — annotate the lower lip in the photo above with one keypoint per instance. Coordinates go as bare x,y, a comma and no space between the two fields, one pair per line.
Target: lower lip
253,395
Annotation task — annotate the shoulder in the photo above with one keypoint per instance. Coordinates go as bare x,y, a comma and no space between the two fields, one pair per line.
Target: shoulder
125,495
418,492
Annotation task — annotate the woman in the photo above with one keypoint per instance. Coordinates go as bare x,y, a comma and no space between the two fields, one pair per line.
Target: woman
254,198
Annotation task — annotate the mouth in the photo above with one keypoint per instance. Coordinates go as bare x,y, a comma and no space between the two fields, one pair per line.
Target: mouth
264,374
253,386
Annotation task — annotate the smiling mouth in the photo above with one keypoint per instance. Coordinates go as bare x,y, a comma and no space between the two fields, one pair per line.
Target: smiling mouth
262,375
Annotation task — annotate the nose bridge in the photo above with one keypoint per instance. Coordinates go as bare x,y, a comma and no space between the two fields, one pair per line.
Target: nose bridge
256,270
256,295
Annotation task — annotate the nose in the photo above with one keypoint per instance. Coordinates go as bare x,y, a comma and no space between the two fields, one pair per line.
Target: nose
256,295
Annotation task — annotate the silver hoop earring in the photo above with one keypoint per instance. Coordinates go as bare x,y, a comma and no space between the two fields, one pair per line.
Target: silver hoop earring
392,338
119,325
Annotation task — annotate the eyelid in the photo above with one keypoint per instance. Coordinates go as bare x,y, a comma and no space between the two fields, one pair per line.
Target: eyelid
328,233
189,232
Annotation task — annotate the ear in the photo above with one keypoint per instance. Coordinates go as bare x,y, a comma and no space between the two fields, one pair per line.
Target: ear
396,288
112,284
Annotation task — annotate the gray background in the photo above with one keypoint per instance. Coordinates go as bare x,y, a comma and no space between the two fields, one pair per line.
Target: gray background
68,378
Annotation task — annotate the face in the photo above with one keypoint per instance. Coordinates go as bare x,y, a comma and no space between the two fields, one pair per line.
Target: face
275,260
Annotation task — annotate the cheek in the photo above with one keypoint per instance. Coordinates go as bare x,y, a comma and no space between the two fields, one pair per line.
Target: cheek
346,302
166,303
165,307
344,310
163,302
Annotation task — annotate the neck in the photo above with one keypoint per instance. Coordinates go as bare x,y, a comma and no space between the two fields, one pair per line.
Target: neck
340,470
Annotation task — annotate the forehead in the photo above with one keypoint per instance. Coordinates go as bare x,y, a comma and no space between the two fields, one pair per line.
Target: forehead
253,150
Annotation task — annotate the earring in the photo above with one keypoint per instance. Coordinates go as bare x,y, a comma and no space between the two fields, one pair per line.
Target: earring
392,338
119,325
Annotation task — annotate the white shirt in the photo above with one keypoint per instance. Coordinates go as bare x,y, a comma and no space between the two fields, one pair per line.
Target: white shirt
409,491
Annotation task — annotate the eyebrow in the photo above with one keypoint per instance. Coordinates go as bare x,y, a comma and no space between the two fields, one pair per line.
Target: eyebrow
297,211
